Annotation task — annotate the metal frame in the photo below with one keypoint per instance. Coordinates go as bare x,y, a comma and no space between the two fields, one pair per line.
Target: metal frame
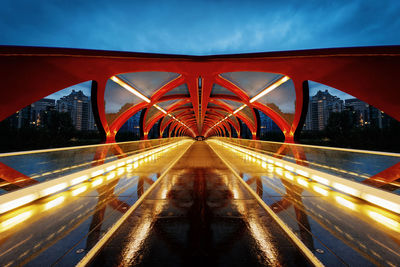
366,73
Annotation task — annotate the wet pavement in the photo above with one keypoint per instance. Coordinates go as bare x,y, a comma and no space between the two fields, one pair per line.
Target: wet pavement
199,215
60,229
341,230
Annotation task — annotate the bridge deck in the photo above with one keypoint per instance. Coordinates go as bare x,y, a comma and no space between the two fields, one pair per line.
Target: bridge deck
200,214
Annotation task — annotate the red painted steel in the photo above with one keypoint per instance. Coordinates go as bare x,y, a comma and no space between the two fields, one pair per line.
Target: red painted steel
367,73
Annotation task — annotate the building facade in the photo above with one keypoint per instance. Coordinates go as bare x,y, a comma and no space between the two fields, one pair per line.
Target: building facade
79,107
320,107
40,111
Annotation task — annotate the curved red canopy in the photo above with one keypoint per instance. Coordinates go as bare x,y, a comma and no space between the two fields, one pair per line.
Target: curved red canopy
203,95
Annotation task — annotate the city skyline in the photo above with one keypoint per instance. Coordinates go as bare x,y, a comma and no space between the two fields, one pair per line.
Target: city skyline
85,87
315,87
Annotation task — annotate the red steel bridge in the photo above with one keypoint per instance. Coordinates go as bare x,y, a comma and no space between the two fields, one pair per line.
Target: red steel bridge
218,201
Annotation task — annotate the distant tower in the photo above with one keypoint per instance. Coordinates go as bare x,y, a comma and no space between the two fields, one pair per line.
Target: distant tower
360,109
320,108
40,110
79,107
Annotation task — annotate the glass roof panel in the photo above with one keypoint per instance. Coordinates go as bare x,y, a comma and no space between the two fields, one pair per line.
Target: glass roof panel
232,104
165,121
117,100
212,105
151,113
175,113
248,114
187,105
181,89
282,100
167,104
218,89
251,82
148,82
223,112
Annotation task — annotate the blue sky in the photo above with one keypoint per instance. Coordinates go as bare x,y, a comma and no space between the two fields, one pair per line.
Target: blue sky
200,27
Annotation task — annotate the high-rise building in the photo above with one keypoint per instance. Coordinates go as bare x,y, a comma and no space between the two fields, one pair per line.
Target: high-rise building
79,107
360,109
40,111
35,114
320,107
22,118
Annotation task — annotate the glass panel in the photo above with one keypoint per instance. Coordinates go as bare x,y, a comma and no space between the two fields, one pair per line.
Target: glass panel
282,100
223,112
269,130
167,104
117,100
166,131
181,89
211,105
233,131
248,114
130,130
244,130
232,104
50,164
165,121
151,113
148,82
175,113
250,81
155,131
189,105
218,89
355,165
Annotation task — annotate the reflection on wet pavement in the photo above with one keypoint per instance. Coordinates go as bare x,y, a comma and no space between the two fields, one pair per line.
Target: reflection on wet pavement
348,230
200,215
60,228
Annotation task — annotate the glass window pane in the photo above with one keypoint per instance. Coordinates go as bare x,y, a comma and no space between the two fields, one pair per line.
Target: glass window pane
250,81
218,89
151,113
165,121
232,104
282,100
167,104
117,100
148,82
181,89
248,114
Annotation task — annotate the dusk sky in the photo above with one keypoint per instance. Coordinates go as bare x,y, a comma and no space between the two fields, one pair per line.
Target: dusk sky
200,27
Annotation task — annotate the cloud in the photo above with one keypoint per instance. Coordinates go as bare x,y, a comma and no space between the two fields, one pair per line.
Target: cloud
201,27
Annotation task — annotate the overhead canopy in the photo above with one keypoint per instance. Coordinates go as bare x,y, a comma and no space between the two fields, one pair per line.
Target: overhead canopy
199,95
203,106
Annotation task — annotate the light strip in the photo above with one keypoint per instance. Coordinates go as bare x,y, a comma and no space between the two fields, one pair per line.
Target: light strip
239,109
130,88
375,196
270,88
160,109
27,195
